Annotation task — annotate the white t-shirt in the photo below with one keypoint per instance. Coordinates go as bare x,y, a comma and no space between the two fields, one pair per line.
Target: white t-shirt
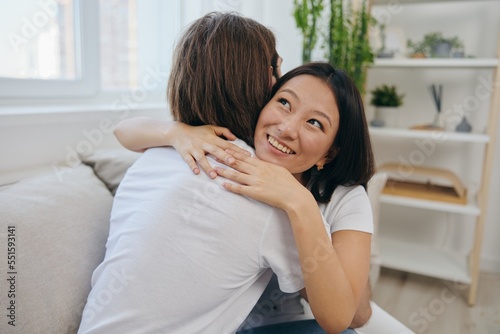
348,209
184,255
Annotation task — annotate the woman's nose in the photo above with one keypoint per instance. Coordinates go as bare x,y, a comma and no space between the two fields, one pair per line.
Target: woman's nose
289,128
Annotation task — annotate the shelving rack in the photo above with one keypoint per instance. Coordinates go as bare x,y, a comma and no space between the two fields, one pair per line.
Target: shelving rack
422,259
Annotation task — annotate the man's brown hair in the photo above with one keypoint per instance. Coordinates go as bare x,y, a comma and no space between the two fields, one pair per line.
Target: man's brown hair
220,73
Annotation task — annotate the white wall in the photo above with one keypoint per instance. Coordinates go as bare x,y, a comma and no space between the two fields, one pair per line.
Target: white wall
31,143
40,139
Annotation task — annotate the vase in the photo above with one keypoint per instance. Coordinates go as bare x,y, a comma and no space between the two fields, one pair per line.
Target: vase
441,50
463,126
385,117
438,122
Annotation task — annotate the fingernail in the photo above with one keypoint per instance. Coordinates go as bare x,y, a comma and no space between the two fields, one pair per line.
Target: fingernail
213,174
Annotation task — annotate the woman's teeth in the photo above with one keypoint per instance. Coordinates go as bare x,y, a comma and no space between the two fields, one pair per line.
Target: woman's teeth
280,147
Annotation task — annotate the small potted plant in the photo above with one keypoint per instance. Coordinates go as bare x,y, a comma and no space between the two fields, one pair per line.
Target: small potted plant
386,100
417,49
383,52
435,45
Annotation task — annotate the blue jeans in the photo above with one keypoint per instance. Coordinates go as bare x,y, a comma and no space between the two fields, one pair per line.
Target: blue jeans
293,327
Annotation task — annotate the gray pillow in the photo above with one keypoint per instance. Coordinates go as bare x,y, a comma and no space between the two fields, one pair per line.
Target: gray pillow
110,165
58,228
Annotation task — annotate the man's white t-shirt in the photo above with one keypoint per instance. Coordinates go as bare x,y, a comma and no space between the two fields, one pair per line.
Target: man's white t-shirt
184,255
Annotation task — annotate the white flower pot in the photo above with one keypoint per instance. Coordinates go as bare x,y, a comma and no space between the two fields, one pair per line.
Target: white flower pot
385,117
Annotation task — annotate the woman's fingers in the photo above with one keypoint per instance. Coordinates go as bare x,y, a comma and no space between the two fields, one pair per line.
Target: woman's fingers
224,132
244,158
241,187
188,158
231,174
234,187
203,141
202,160
224,144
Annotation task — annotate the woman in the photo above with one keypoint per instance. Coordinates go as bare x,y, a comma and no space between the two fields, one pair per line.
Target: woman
269,183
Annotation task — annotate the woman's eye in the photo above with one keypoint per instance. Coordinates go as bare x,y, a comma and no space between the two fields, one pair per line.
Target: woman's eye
284,102
316,123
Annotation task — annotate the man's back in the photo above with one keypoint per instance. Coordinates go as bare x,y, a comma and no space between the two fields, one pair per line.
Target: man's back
184,255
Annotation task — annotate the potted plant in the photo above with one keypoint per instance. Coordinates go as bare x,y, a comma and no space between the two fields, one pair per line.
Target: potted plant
417,49
306,14
386,100
345,37
435,45
347,40
383,52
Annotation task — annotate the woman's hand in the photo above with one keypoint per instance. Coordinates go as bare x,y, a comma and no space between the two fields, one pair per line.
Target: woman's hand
263,181
194,142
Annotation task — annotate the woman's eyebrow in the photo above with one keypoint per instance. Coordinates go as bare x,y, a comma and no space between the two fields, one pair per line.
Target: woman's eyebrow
319,112
324,115
291,92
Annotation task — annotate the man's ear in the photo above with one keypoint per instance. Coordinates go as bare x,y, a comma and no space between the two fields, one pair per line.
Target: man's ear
272,78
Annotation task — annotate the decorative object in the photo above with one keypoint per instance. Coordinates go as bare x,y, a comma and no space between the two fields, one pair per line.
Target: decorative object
416,49
435,45
436,94
463,126
346,36
434,184
386,100
306,14
383,52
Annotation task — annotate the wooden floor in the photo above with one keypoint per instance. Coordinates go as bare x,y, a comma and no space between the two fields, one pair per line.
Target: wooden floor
430,305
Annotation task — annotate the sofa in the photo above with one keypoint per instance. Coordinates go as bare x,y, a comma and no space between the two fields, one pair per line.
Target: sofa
53,231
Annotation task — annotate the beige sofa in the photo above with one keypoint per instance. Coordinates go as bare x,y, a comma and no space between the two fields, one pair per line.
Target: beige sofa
55,227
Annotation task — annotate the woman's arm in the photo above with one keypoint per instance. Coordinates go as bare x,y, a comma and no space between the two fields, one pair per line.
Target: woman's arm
335,273
192,142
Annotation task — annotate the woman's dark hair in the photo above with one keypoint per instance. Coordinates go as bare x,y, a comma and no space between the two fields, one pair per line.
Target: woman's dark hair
220,73
353,162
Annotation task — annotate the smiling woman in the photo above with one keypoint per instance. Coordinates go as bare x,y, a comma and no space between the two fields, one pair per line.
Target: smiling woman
298,124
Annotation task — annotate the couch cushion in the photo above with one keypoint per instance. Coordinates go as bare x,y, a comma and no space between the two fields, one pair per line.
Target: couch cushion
110,165
60,227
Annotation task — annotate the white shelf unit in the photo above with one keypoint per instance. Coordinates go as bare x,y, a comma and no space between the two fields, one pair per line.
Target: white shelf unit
438,62
421,258
471,209
419,134
424,260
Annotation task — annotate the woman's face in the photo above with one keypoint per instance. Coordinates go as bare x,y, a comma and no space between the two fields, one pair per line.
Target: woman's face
297,127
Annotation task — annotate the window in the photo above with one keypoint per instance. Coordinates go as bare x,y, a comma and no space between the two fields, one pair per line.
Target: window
41,46
83,48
